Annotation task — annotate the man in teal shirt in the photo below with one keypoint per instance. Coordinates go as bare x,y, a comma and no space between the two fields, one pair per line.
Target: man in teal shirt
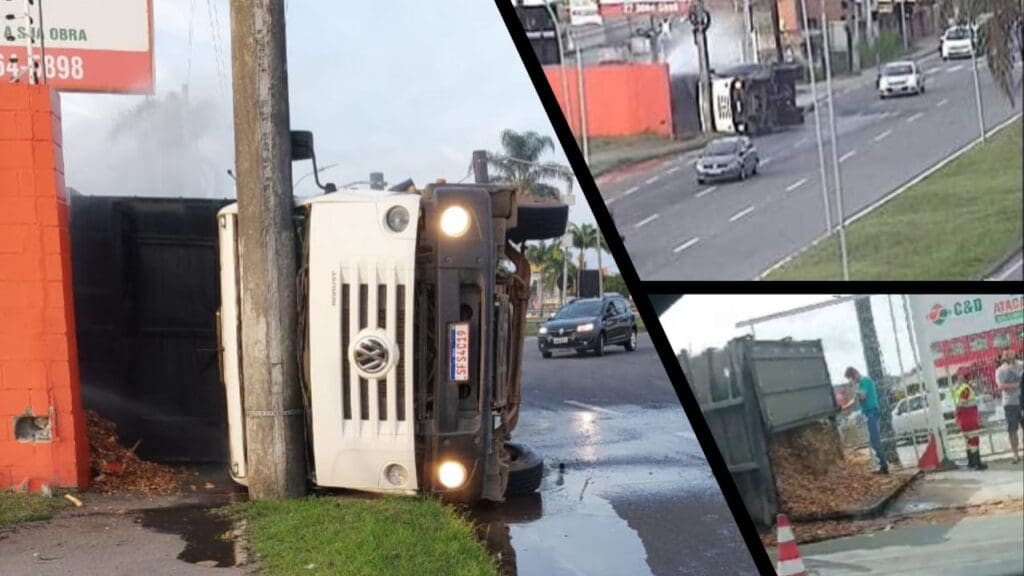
867,394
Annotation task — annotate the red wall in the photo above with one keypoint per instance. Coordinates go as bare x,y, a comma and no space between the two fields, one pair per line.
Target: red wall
622,100
38,351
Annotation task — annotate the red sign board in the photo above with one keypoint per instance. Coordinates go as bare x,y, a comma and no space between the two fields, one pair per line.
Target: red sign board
82,45
636,7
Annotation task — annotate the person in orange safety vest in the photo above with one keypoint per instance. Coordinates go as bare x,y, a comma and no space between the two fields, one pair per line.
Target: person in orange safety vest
969,422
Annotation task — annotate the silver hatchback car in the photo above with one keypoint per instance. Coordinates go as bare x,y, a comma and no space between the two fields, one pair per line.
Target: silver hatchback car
732,158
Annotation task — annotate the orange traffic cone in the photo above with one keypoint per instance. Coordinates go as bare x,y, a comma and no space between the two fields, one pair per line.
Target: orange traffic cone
930,459
789,561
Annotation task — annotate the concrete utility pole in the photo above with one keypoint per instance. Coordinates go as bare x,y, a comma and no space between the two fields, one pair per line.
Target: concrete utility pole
748,33
855,44
977,90
274,413
581,81
841,214
480,175
903,25
600,269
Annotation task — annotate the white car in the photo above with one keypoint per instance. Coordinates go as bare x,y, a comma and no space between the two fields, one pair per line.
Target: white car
910,416
900,78
957,42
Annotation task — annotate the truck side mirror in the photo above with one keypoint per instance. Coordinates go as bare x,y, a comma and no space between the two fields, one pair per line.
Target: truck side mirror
302,145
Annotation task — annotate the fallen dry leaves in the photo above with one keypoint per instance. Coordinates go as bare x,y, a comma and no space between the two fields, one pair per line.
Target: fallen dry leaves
806,532
117,469
815,477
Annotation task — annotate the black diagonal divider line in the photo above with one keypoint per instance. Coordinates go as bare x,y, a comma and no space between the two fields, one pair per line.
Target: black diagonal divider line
632,280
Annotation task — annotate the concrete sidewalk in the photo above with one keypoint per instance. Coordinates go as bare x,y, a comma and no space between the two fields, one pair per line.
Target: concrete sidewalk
1003,481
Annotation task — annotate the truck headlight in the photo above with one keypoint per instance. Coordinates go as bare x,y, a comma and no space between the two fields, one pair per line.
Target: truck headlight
542,330
585,327
397,218
452,474
454,221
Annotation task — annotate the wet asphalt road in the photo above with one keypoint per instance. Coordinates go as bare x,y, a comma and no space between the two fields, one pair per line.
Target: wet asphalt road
676,229
636,495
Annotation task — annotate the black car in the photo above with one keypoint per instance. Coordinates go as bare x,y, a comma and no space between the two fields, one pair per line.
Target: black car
589,324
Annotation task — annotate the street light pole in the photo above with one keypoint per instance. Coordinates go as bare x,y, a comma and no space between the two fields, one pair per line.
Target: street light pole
841,214
561,65
817,117
977,89
583,104
748,32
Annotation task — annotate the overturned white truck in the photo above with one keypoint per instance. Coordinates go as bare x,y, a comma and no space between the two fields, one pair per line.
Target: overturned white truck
412,308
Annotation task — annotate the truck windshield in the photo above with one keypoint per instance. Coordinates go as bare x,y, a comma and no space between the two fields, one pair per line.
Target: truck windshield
583,309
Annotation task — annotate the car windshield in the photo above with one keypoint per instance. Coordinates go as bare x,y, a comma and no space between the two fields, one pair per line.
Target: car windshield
958,34
581,309
898,70
721,148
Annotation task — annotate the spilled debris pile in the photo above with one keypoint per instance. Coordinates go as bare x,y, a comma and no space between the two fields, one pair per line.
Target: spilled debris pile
117,469
816,479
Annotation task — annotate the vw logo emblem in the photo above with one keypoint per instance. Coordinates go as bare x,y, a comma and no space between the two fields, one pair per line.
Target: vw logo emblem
561,331
371,354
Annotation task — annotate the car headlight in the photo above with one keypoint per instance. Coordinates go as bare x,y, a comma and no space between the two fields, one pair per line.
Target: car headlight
454,221
585,327
397,218
543,330
452,474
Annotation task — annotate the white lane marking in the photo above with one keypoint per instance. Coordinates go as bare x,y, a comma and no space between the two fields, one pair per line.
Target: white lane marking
741,213
652,179
705,192
799,143
955,68
685,245
914,117
847,156
942,103
593,408
766,161
646,221
794,185
883,136
672,170
1010,270
631,190
609,201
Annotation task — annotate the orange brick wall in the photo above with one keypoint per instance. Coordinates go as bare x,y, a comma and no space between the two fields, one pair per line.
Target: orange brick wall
622,100
38,351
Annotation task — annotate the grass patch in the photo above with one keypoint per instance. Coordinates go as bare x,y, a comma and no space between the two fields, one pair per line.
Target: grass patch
954,225
607,154
329,535
16,507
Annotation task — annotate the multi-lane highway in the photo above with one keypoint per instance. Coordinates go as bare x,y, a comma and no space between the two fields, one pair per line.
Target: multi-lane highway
676,229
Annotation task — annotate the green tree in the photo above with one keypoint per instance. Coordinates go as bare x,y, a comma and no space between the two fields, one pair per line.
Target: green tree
615,283
584,237
1001,27
547,258
520,163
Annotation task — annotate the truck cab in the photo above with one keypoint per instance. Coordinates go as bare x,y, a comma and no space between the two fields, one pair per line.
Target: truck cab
411,312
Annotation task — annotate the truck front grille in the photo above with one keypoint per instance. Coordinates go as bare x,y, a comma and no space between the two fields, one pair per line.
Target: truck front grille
376,301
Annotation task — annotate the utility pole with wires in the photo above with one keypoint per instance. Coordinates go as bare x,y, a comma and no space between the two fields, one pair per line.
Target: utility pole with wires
31,66
274,409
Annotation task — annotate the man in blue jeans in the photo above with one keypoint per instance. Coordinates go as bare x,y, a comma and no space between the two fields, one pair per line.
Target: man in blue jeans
868,397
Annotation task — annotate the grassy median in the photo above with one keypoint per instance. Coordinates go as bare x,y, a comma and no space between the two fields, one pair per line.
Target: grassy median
16,507
608,154
956,224
347,536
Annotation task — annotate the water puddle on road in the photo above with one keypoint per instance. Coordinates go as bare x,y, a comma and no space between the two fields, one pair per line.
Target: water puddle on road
207,535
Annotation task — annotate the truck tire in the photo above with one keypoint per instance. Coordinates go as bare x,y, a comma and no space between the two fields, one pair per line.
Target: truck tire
525,470
536,221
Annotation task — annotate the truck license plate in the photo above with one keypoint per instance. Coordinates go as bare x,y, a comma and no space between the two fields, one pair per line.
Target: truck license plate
458,347
563,340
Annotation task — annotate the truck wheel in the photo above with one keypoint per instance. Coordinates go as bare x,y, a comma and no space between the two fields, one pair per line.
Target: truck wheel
536,221
599,349
631,343
525,470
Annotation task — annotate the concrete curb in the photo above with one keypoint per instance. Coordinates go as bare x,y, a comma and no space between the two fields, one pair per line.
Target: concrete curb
1010,256
873,510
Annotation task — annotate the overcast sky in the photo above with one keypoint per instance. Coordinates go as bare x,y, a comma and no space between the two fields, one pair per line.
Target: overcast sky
697,322
408,88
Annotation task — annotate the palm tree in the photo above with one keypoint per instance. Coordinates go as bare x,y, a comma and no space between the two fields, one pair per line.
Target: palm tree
547,257
519,163
1003,29
584,237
